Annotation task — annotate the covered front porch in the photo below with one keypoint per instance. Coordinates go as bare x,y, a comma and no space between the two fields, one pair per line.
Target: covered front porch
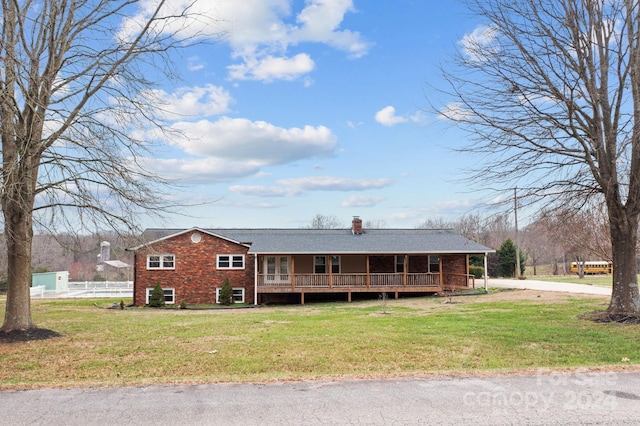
393,274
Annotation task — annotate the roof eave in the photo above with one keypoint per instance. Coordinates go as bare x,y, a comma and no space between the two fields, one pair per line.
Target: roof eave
176,234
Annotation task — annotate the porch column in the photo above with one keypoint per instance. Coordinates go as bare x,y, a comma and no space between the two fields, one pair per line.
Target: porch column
368,276
486,276
441,263
330,265
405,268
293,275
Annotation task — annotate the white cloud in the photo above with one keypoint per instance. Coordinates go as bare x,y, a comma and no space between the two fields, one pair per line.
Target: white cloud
455,111
230,148
191,102
297,186
329,183
387,117
419,117
265,191
320,21
362,201
260,32
447,209
240,139
194,63
480,43
201,170
271,68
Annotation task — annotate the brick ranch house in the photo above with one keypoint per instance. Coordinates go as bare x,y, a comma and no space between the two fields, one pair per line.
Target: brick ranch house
280,265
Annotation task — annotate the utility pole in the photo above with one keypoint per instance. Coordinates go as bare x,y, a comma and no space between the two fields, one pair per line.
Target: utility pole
515,213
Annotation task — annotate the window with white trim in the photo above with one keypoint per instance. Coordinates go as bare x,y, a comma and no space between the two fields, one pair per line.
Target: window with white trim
399,264
230,261
320,264
161,261
238,295
434,263
335,264
169,295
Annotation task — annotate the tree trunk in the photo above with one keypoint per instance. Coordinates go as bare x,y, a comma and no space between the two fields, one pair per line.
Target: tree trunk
19,235
625,298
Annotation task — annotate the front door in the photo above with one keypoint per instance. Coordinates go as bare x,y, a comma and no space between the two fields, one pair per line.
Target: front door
277,269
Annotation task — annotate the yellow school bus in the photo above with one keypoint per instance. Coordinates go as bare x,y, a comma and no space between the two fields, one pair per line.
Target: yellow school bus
594,267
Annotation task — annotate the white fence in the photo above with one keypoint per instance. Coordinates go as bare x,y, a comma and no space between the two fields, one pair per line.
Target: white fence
86,285
88,289
37,291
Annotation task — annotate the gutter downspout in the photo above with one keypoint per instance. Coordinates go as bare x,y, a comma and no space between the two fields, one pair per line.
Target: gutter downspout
255,279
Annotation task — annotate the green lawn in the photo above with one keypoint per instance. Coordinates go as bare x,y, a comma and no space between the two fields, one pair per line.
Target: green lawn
503,331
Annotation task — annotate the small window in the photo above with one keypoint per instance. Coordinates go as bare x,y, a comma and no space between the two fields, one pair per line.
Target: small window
320,264
238,295
434,263
230,261
399,264
167,261
169,295
335,264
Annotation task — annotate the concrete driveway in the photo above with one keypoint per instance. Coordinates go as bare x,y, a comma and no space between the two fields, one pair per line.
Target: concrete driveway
549,286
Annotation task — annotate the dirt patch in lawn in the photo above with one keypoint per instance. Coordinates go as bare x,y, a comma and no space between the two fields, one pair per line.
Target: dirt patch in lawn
18,336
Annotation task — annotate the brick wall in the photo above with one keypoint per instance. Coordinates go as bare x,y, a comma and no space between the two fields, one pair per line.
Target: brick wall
195,277
454,268
454,263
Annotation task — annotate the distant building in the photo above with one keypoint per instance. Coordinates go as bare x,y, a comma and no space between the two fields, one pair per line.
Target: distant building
52,281
111,269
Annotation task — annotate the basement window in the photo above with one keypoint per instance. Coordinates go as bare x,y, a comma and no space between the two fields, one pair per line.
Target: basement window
169,295
238,295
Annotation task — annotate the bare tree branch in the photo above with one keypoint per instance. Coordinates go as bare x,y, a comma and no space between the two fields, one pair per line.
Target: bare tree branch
550,95
75,99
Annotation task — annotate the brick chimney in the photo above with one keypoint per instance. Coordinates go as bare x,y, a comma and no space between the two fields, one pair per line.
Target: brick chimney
356,225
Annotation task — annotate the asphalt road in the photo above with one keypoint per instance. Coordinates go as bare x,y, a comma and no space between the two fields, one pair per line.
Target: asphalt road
542,398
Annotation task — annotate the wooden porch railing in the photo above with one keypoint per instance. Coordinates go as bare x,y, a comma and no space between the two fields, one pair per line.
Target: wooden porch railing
357,280
454,282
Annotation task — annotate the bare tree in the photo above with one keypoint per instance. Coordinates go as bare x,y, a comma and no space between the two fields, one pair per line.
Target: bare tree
471,226
73,88
375,224
584,234
321,221
497,228
551,95
437,223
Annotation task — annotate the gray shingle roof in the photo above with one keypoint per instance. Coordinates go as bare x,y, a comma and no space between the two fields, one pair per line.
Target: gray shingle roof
337,241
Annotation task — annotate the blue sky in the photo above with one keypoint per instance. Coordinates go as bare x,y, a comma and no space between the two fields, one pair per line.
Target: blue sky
316,107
